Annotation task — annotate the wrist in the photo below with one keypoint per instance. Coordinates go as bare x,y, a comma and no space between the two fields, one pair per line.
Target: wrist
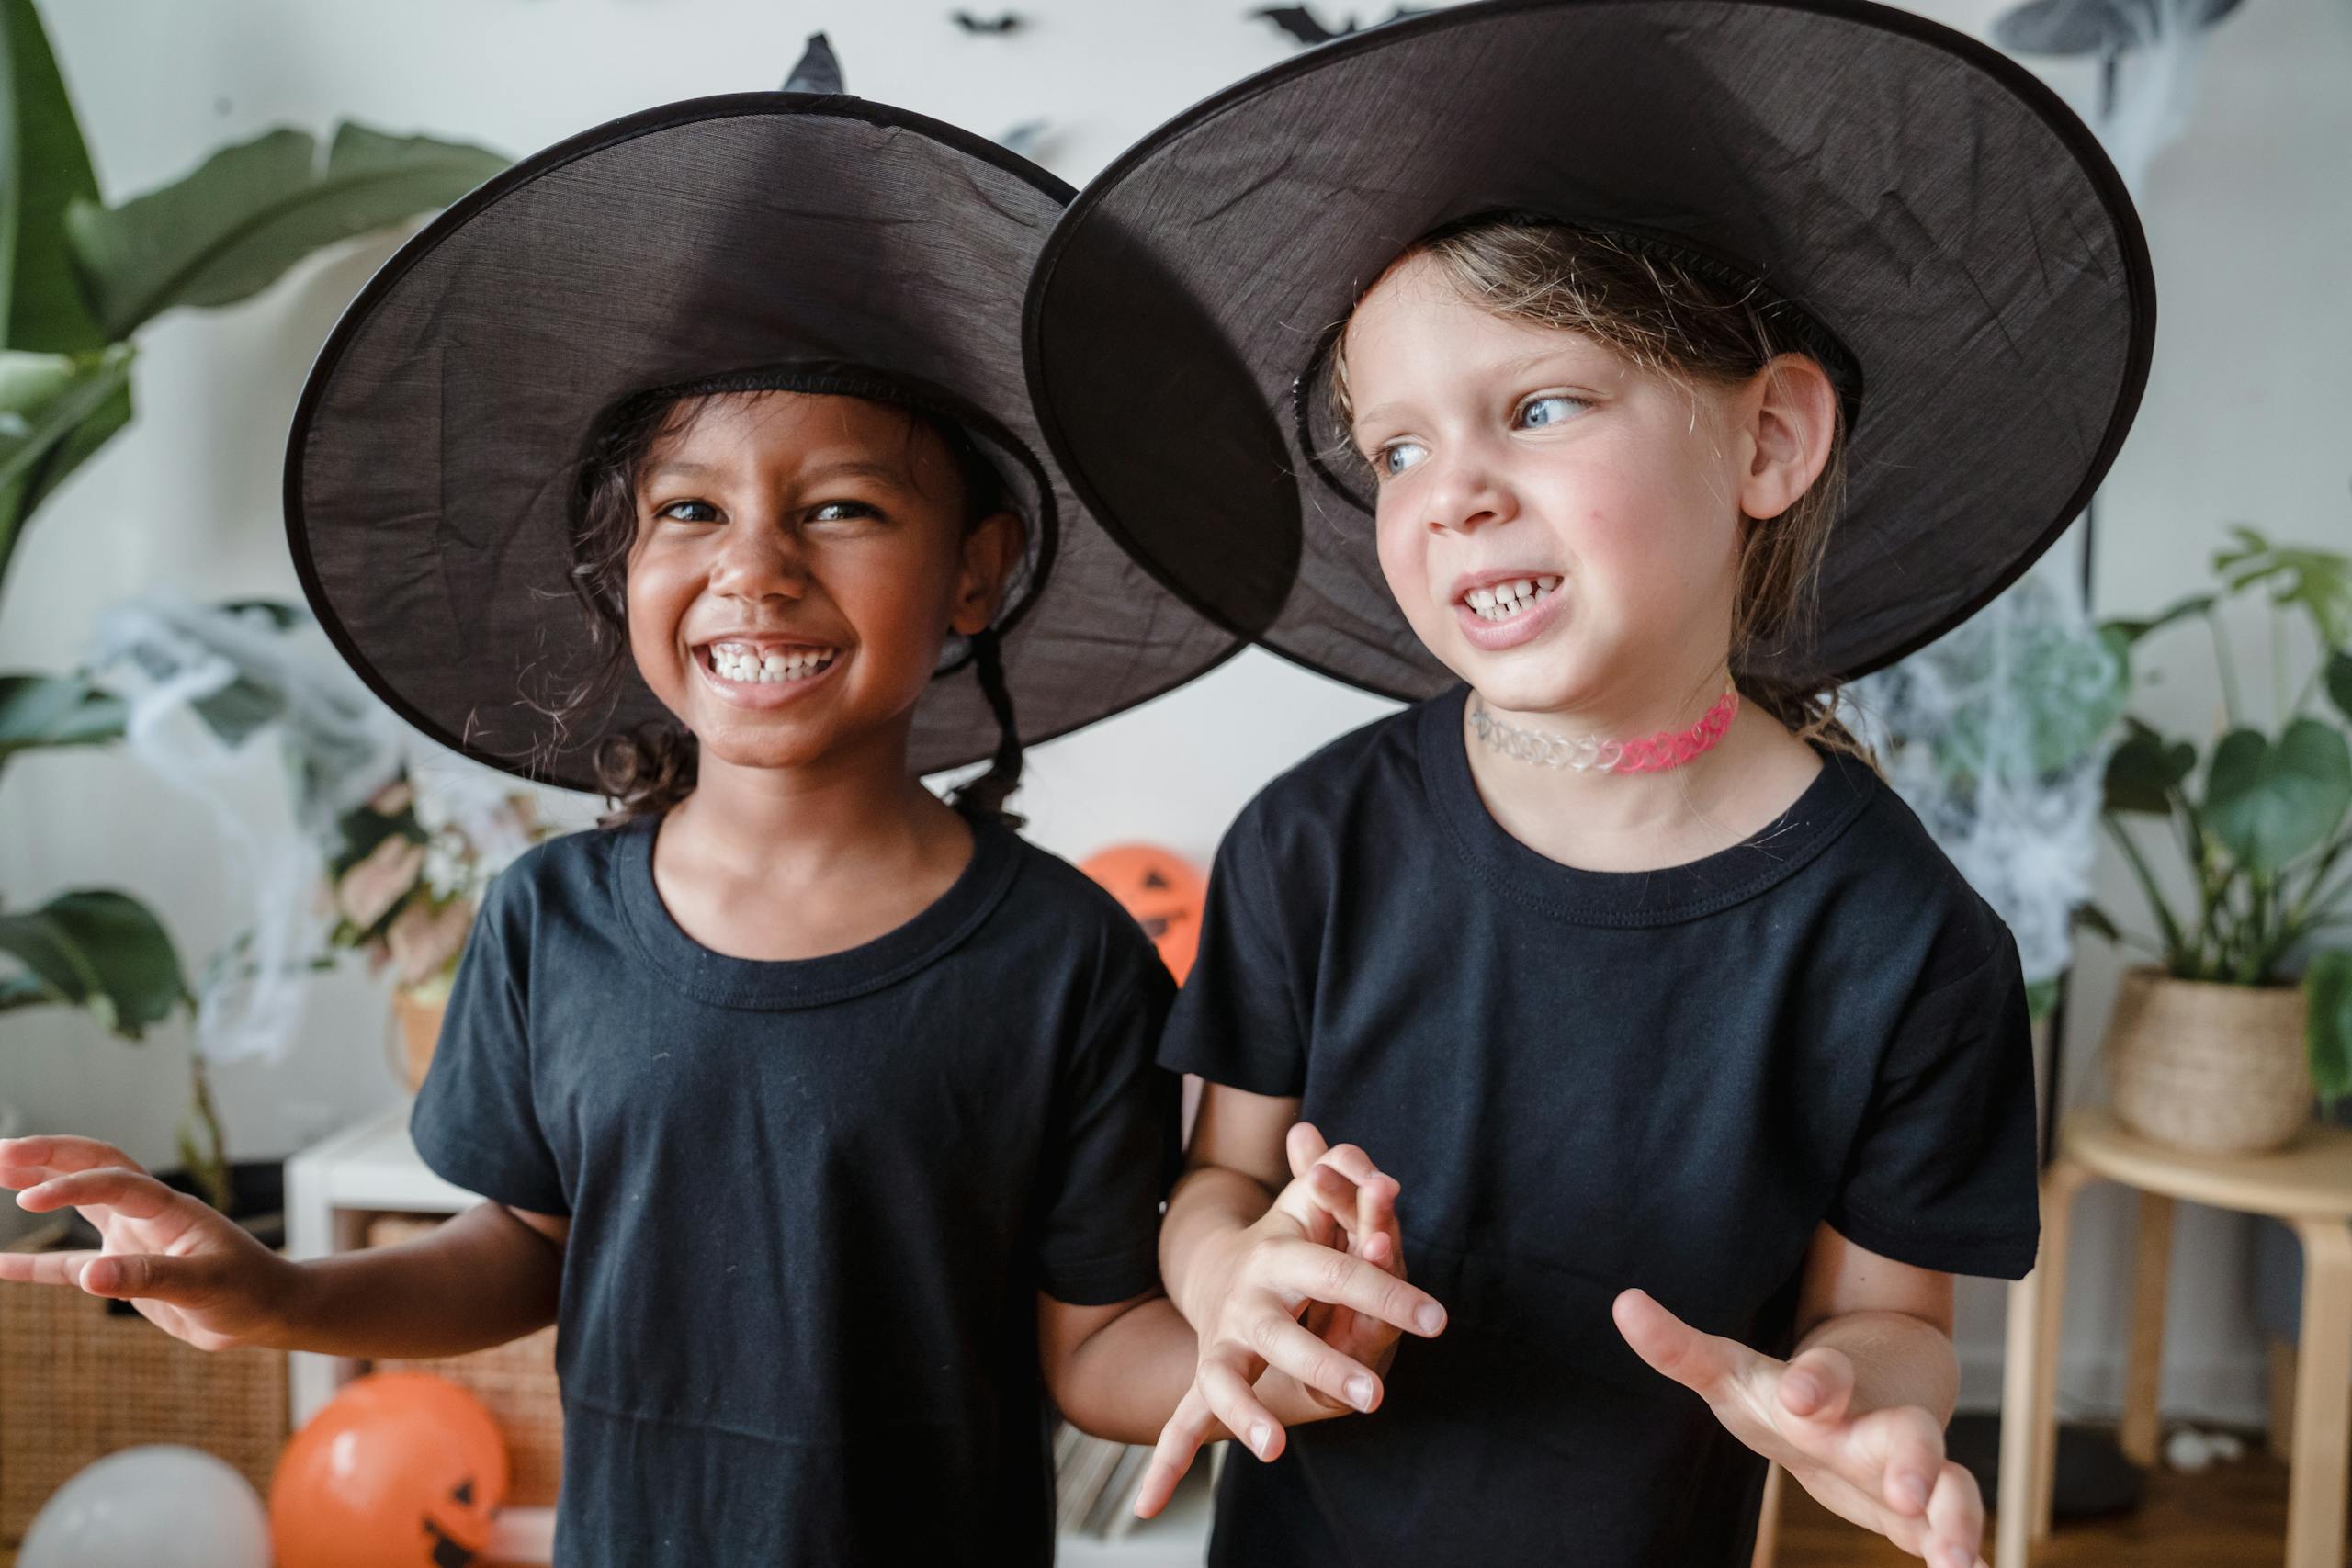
288,1302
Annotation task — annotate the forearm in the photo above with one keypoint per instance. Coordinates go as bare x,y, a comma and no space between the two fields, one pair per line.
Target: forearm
1124,1380
1899,1361
480,1280
1209,1206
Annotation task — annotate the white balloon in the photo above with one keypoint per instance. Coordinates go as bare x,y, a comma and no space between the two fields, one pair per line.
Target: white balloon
158,1507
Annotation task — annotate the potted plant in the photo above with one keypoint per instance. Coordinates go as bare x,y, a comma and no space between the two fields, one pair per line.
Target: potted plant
2244,1010
405,879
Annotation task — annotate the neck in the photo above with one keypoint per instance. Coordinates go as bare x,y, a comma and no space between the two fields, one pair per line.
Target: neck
857,804
1609,821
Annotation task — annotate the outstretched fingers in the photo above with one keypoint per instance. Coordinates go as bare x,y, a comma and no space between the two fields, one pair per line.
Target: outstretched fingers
1703,1364
26,1162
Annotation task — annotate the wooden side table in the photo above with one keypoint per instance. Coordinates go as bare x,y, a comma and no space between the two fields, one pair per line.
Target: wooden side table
2307,1185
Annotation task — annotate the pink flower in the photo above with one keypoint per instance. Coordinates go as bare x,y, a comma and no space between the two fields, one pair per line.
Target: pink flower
424,940
368,890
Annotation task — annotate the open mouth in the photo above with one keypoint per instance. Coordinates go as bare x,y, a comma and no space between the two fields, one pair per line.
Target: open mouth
1501,600
765,663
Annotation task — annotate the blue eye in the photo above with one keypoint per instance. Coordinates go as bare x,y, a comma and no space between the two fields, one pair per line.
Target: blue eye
675,511
1392,460
1552,408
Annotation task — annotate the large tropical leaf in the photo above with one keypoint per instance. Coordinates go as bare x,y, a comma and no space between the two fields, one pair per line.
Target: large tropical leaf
97,949
232,227
50,168
54,411
2339,682
2327,993
2145,770
38,711
2320,582
2271,803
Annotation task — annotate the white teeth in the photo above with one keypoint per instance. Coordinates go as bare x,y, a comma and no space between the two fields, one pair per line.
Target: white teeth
735,662
1505,600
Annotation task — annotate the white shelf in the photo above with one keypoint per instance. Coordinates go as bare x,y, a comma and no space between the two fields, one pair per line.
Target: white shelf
335,1187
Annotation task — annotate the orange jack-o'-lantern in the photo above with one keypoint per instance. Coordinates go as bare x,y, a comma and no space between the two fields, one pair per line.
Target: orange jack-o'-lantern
401,1470
1162,891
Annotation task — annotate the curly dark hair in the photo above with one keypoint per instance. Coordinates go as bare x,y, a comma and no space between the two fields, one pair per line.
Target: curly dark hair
649,769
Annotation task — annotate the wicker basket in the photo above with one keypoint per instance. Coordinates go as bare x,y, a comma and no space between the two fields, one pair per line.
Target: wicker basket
515,1383
2217,1069
79,1382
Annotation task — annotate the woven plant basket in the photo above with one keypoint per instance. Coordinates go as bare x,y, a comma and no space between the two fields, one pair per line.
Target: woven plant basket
78,1381
2217,1069
515,1383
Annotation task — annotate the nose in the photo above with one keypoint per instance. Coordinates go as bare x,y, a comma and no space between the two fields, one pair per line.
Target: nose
1465,493
757,557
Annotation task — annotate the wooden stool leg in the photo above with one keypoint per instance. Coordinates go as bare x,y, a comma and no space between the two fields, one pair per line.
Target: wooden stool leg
2143,1370
2315,1476
2030,1377
1768,1525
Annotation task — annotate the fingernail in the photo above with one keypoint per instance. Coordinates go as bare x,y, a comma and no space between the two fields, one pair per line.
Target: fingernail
103,1276
1360,1393
1802,1389
1430,1318
1911,1489
1260,1436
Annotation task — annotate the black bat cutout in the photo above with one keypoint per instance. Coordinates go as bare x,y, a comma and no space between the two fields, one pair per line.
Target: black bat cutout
819,70
1304,27
1000,24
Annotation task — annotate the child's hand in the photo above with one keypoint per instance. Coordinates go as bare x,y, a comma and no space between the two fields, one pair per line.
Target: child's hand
1885,1470
194,1272
1280,1268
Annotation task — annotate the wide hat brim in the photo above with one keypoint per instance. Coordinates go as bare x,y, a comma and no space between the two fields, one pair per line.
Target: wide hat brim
1952,225
431,469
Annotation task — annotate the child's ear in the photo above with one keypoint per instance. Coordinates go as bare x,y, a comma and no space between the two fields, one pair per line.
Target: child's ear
1791,414
991,547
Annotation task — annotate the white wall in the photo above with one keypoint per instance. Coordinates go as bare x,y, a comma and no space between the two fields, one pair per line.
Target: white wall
2245,418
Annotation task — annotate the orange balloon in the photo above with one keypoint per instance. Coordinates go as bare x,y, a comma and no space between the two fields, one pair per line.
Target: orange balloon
1163,890
401,1470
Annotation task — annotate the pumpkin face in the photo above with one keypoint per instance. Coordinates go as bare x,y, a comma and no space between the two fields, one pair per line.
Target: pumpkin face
1163,890
401,1470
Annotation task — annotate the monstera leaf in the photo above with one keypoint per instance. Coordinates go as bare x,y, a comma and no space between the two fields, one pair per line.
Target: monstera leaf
2270,803
94,949
247,213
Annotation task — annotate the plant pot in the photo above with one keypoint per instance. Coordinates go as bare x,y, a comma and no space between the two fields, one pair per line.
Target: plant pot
416,1029
2212,1068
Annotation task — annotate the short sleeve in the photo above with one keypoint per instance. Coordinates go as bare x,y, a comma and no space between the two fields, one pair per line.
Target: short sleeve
1943,1173
1235,1022
1114,1149
475,1122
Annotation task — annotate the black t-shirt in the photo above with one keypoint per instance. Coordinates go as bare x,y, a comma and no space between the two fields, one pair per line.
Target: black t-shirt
812,1202
1588,1081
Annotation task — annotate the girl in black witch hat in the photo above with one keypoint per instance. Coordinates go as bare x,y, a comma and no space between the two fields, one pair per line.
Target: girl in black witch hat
821,1116
1684,358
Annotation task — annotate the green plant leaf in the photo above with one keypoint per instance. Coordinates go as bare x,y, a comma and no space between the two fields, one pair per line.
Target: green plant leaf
2098,922
2144,769
2128,632
2327,1030
2339,681
44,310
2320,582
2267,802
96,949
45,401
38,711
234,225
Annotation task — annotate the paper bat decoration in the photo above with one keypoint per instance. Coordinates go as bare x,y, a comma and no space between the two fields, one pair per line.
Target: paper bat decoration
819,71
2104,27
1304,27
1029,139
1003,22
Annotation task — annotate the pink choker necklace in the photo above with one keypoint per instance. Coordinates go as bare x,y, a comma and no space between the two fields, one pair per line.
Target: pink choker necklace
1666,749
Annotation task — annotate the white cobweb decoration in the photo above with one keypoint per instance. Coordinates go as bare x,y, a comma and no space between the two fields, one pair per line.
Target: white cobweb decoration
247,710
1992,735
